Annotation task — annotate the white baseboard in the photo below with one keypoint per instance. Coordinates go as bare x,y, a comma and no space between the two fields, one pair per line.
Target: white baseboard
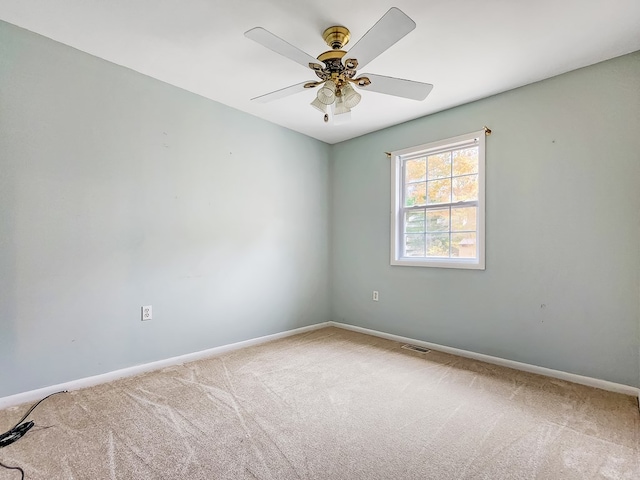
548,372
34,395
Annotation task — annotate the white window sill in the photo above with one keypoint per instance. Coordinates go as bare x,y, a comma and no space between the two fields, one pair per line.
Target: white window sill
470,264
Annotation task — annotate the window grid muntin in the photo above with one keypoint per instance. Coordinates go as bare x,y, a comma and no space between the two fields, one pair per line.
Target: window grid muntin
441,178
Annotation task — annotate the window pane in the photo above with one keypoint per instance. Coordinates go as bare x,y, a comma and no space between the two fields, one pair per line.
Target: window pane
465,161
414,245
438,220
415,170
414,222
415,194
439,165
463,245
438,245
463,218
439,191
465,188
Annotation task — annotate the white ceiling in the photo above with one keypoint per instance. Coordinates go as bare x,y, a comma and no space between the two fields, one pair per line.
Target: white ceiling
468,49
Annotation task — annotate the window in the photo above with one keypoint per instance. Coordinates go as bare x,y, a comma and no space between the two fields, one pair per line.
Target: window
437,204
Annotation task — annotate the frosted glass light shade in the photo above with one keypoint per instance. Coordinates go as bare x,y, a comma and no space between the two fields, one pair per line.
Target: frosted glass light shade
350,96
342,119
317,104
327,93
340,107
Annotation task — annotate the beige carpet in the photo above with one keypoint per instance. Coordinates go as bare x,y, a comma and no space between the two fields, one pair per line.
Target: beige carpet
330,404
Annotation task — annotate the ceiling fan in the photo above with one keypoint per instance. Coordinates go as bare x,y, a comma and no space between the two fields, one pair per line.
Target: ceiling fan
336,68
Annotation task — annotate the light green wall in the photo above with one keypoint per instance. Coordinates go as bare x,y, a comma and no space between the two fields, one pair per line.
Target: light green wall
117,191
563,229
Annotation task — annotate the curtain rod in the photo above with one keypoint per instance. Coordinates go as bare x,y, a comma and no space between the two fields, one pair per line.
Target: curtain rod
487,132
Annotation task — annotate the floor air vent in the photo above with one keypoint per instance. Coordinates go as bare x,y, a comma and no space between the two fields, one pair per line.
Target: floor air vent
415,348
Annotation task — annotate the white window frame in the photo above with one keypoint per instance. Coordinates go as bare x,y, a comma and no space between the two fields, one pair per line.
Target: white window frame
397,207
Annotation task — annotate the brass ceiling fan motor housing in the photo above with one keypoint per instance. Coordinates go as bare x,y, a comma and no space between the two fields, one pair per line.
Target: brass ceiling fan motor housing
336,37
331,55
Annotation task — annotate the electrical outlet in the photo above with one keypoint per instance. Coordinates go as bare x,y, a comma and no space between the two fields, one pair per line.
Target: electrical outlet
147,313
375,295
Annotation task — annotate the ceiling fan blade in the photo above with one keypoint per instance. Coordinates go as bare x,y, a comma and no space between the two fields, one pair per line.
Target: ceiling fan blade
283,92
393,25
278,45
397,87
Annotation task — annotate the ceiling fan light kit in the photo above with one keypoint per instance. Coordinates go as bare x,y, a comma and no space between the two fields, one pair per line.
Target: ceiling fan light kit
336,68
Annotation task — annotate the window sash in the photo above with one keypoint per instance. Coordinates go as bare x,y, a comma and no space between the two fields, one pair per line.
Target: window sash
442,206
449,148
